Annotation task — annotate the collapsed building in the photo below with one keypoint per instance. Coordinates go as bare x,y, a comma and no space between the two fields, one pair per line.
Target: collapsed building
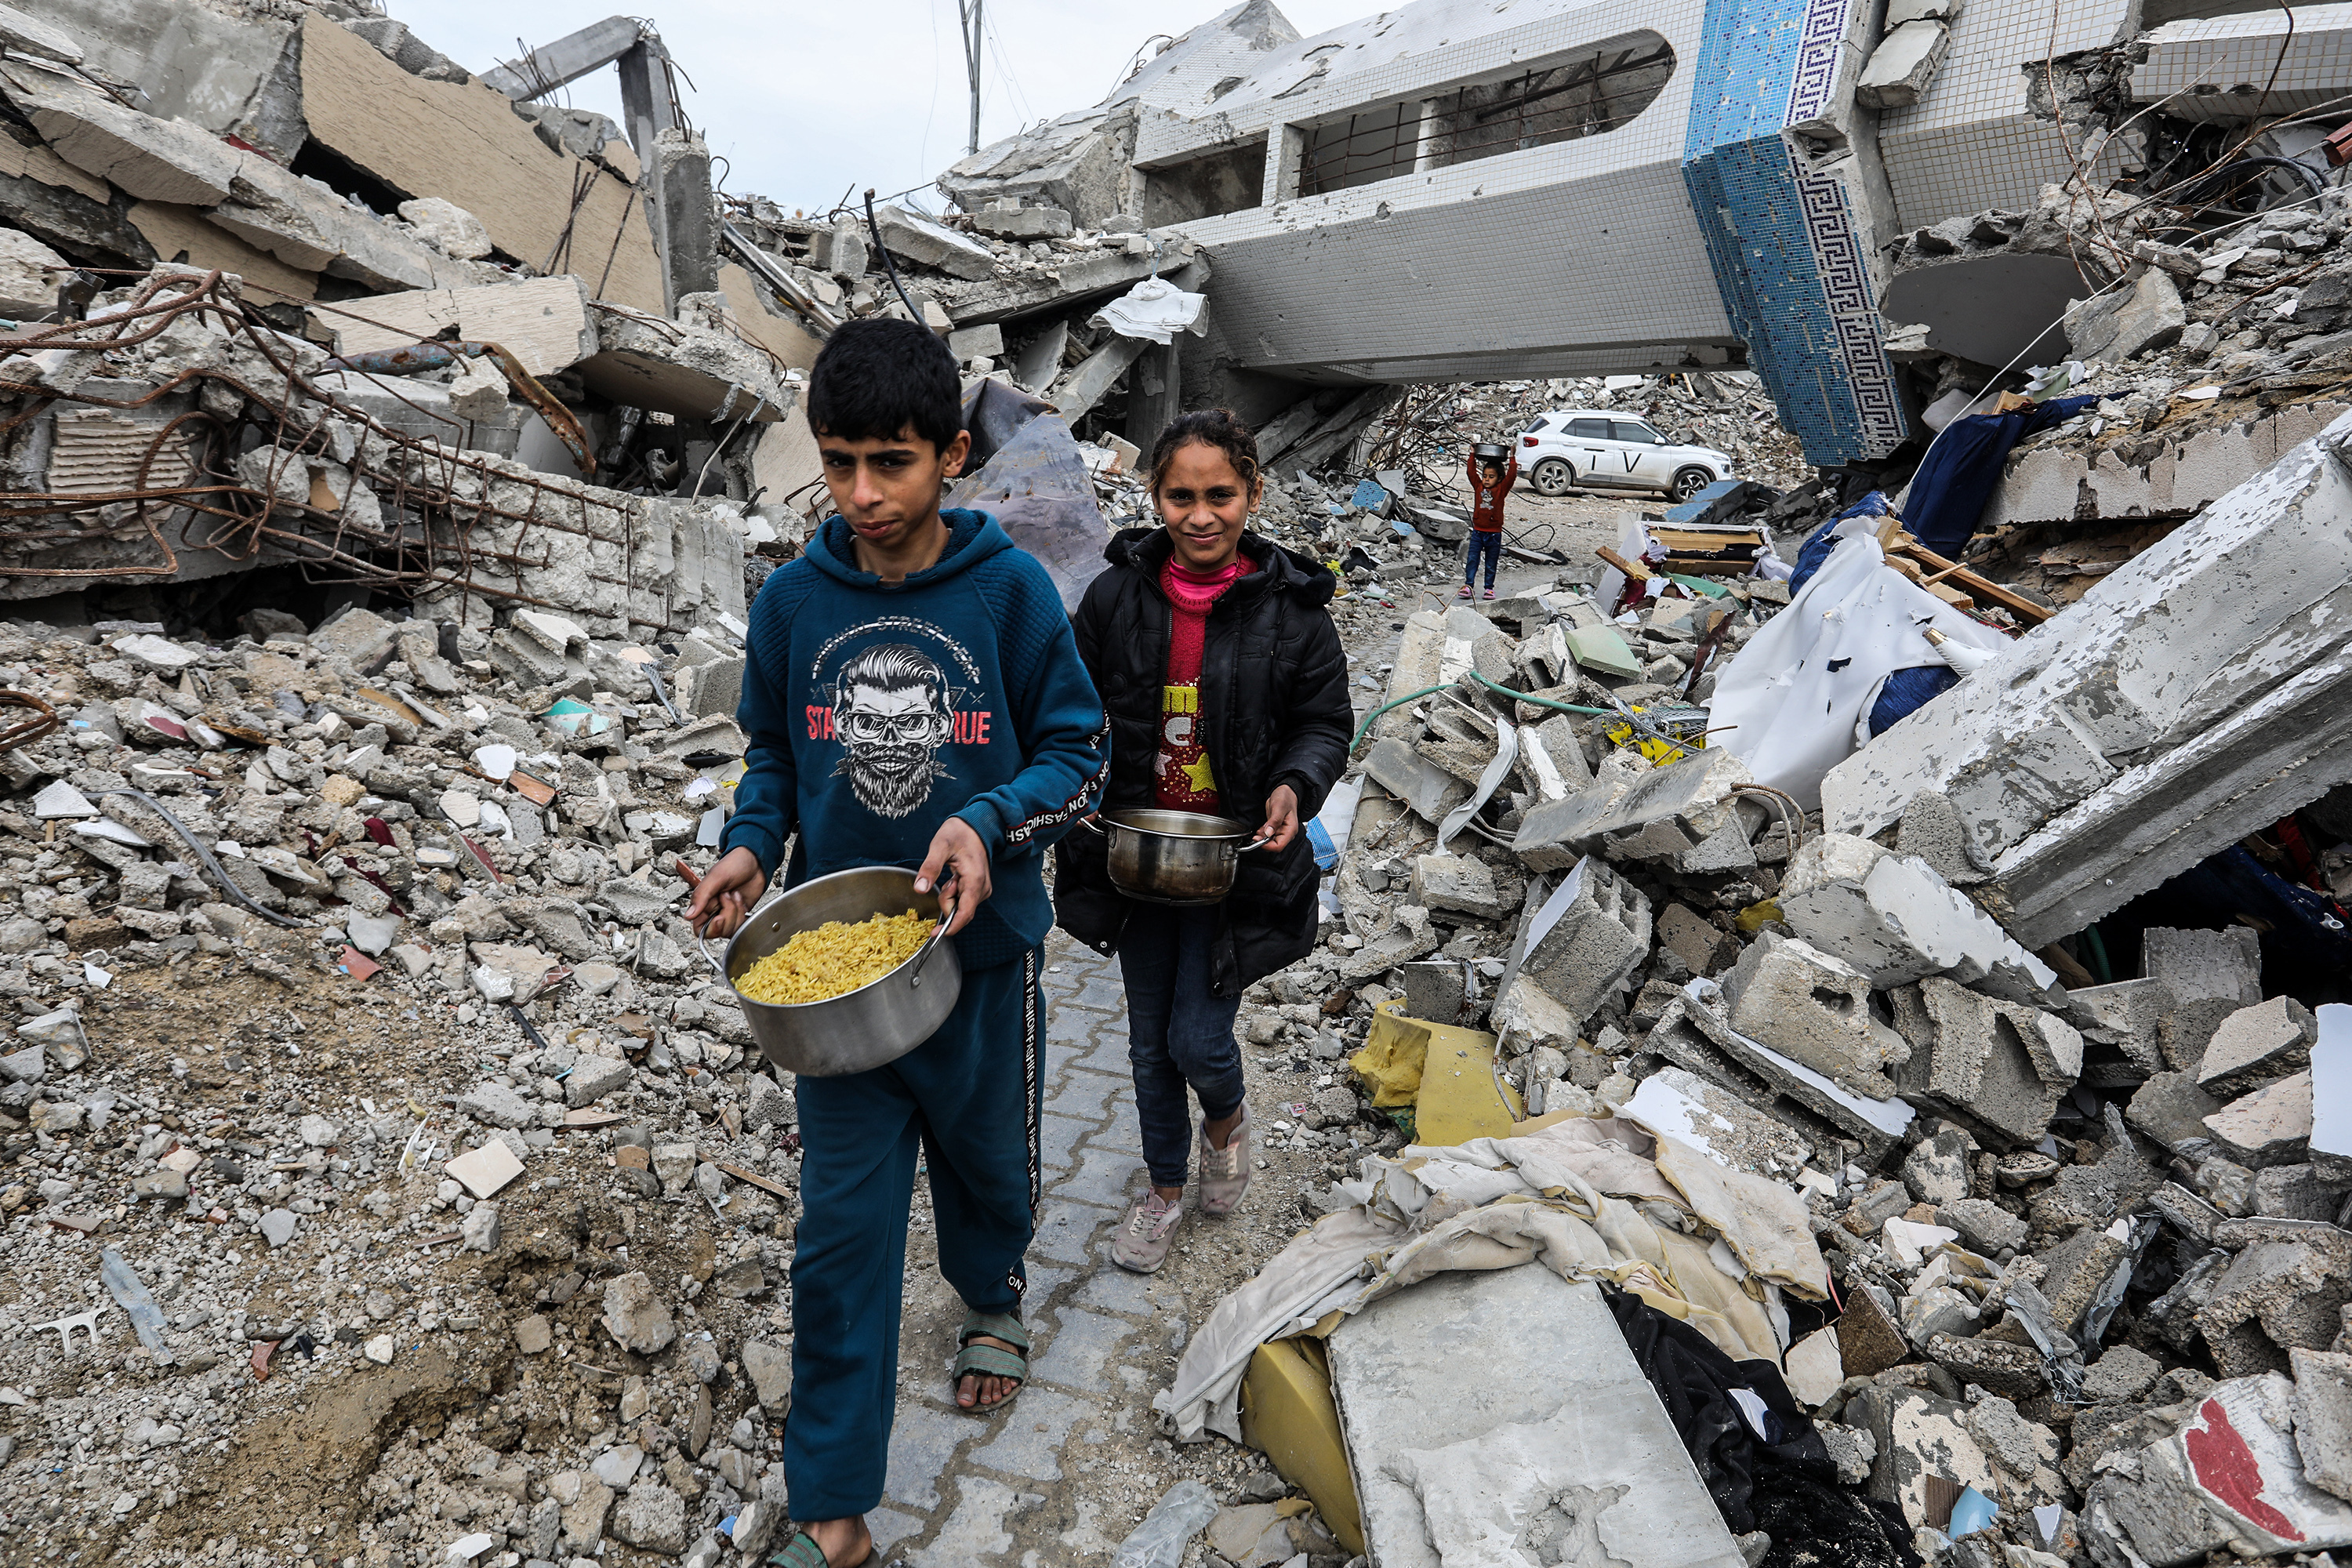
1633,192
391,456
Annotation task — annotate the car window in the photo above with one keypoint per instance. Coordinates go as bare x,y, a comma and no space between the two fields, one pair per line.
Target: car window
1634,430
1589,430
1541,422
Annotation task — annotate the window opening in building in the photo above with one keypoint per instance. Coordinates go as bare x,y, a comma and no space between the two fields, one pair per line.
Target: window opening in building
1588,92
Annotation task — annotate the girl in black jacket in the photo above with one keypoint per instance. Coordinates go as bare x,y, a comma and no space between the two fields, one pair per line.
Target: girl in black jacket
1228,695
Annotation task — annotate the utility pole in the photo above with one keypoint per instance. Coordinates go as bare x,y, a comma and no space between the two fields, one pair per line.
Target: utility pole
969,11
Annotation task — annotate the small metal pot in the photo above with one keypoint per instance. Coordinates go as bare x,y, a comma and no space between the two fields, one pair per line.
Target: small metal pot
1173,856
868,1027
1487,451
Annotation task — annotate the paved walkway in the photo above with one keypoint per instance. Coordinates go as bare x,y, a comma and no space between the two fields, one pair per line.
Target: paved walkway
1060,1474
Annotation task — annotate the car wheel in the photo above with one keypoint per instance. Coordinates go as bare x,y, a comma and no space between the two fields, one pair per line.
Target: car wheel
1552,477
1689,481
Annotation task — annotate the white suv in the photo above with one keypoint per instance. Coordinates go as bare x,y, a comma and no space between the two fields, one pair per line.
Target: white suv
1597,449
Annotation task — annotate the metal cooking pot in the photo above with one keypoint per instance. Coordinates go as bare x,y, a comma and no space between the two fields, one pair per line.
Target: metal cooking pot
1173,856
867,1027
1488,451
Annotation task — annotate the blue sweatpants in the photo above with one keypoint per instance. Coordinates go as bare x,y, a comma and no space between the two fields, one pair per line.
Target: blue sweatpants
969,1098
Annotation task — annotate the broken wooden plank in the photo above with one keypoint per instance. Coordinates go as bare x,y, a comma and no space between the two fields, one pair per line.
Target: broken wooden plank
742,1174
1632,569
1952,574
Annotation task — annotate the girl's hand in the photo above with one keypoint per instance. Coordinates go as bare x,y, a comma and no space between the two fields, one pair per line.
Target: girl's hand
1281,818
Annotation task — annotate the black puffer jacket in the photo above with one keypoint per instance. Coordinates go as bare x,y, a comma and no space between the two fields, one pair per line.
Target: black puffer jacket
1274,698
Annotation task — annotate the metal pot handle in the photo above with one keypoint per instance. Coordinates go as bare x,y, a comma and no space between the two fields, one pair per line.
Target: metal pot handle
923,953
717,967
1099,829
1254,844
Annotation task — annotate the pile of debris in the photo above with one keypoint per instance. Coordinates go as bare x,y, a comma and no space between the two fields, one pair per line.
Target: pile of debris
496,820
2082,1234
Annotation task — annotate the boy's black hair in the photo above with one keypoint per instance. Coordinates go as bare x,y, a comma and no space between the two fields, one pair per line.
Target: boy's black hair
881,375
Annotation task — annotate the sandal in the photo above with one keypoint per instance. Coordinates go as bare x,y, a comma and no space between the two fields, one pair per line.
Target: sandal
990,1360
802,1552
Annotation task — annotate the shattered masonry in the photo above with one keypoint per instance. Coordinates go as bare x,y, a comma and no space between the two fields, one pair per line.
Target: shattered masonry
389,458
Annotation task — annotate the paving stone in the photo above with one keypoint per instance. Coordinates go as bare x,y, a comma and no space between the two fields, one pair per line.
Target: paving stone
1029,1441
923,1441
1102,1177
1079,1354
1066,1230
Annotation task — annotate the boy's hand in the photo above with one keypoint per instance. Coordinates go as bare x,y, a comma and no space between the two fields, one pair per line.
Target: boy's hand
727,894
957,866
1281,818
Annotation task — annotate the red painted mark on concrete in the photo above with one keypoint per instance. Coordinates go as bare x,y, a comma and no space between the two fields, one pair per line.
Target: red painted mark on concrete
2225,1466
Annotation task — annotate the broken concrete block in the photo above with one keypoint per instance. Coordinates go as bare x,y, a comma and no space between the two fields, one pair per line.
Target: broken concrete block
1583,939
984,341
27,288
2128,1015
2270,1126
1920,1438
1022,223
1893,919
1931,830
544,323
450,229
2171,1109
2323,1418
1983,1225
1902,66
2256,1044
1422,1377
1455,882
1429,790
1702,947
1937,1169
1692,1033
2291,1280
1667,811
930,244
2000,1064
1806,1005
2211,974
2229,1479
2293,1192
692,372
2124,323
147,157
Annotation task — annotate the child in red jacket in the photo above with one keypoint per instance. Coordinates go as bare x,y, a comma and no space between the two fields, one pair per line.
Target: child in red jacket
1489,482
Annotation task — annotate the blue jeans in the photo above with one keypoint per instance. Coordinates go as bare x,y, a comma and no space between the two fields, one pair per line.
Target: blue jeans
1177,1034
1488,544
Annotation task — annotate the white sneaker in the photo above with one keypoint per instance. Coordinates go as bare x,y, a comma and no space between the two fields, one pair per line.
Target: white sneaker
1142,1244
1224,1172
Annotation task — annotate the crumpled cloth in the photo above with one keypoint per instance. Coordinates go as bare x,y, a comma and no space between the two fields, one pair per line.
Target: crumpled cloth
1154,308
1579,1196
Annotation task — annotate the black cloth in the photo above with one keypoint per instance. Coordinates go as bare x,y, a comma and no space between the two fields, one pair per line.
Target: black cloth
1786,1485
1276,710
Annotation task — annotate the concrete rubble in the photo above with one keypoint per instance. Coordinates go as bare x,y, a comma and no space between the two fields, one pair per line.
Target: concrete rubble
377,558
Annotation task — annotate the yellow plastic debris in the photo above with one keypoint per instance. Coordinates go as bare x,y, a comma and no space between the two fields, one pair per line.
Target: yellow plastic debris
1461,1098
1393,1055
1287,1414
1442,1072
1686,728
1756,916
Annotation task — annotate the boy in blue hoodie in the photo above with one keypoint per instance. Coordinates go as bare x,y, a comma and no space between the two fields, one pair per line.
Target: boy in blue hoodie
913,696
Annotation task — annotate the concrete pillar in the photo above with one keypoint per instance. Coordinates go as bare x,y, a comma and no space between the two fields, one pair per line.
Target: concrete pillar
1425,129
645,108
1154,394
1286,151
686,214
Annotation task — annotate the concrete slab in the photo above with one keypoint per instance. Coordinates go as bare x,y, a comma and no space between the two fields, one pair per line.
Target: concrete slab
1474,1405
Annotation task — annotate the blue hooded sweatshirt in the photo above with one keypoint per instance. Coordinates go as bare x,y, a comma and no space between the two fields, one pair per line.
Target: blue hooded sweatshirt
876,710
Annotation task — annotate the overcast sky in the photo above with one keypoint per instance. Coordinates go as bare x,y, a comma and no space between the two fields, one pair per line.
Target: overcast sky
806,99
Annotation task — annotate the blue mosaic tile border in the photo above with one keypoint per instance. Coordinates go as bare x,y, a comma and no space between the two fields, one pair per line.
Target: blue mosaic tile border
1782,241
